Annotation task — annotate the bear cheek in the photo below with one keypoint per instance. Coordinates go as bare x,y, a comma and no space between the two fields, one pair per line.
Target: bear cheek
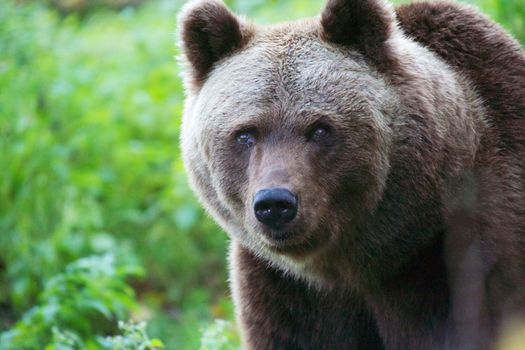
346,182
228,172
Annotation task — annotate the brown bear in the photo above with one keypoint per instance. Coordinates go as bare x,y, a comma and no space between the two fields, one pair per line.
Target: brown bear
369,167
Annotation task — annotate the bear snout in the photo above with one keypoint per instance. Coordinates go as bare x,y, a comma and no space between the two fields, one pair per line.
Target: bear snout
275,207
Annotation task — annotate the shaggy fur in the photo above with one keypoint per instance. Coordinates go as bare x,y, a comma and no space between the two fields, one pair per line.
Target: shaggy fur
411,223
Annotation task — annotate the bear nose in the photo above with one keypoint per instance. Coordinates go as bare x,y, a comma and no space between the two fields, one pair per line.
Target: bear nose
275,207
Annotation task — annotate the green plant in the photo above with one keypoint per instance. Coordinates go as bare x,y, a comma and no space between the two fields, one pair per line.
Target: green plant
134,337
221,335
76,306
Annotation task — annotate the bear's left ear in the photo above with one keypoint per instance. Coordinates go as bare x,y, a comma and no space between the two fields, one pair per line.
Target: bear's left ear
363,24
208,31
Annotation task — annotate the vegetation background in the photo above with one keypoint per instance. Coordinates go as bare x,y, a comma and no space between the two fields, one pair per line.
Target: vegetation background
97,223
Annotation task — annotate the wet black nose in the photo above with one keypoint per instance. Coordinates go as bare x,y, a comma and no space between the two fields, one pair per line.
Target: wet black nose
275,207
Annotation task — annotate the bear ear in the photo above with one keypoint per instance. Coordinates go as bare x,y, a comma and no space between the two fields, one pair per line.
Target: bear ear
208,31
363,24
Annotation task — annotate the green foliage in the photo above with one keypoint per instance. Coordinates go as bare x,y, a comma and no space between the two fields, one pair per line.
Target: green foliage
75,306
90,107
134,337
271,11
89,118
221,335
84,6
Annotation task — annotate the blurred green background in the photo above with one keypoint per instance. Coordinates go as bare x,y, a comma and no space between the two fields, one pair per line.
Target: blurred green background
97,223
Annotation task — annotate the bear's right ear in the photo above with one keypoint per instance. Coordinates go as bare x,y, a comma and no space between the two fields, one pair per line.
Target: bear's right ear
208,31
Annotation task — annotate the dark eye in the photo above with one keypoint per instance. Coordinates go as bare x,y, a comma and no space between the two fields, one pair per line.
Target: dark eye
245,138
319,132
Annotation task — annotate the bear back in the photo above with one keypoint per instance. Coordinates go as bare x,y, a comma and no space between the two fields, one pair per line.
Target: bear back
492,60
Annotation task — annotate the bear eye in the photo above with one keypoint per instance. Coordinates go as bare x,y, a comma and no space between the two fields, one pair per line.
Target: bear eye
245,138
319,132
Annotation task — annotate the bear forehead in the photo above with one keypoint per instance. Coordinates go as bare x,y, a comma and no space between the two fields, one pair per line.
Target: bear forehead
294,47
288,66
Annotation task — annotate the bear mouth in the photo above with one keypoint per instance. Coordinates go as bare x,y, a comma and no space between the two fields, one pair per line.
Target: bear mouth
280,237
283,236
290,243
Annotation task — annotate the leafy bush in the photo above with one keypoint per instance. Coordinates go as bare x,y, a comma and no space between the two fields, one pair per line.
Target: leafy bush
89,118
221,335
134,337
76,306
84,7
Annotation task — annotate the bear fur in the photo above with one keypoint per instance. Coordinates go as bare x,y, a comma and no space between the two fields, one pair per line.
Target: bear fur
402,134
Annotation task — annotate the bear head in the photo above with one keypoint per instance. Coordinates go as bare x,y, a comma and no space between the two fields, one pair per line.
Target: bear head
291,132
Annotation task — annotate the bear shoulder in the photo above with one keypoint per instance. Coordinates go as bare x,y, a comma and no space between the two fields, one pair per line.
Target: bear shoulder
481,50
